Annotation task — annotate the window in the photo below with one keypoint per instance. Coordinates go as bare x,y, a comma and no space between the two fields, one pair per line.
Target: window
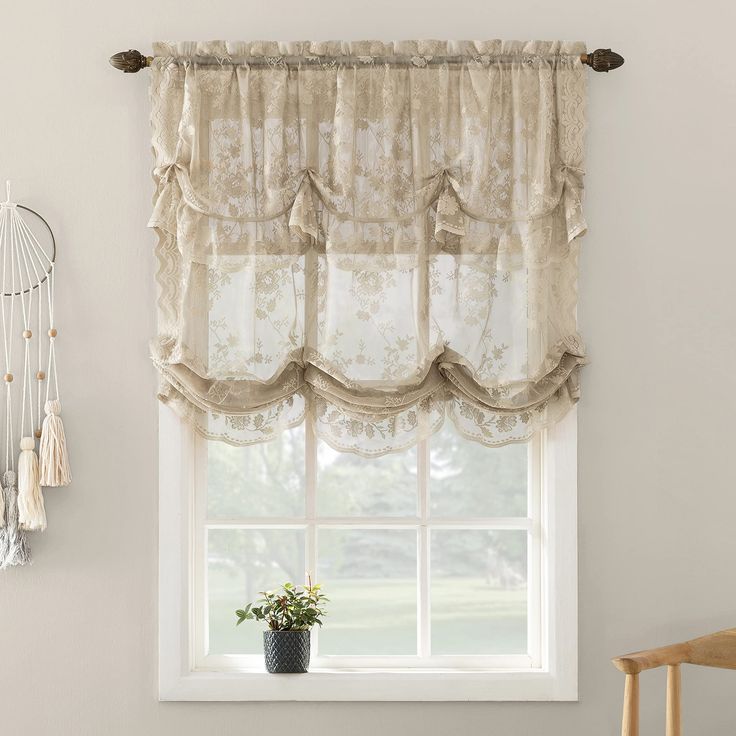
429,556
450,567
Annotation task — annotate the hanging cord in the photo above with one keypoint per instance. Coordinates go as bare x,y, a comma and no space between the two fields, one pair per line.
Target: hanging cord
7,513
31,510
40,375
51,370
47,266
28,251
14,548
26,307
3,232
7,240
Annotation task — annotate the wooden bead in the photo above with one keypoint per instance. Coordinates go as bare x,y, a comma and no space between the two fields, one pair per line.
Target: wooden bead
38,434
27,334
52,332
8,377
40,375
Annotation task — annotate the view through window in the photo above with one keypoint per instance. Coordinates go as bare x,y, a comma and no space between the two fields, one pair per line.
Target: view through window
429,556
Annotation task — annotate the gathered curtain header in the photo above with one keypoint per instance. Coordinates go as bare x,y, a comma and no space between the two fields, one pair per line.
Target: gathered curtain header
373,235
418,53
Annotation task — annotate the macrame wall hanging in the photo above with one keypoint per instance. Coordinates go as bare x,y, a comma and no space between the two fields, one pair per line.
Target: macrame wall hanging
27,258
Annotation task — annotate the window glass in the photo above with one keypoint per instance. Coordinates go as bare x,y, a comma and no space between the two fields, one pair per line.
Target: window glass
240,564
469,479
370,576
351,485
257,480
478,591
365,533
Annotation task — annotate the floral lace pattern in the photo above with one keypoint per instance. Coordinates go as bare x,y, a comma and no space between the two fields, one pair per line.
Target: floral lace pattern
373,236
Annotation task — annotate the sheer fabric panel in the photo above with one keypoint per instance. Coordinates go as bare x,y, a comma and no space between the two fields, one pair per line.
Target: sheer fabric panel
376,236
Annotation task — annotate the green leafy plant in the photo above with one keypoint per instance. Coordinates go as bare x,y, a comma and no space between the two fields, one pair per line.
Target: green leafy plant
290,608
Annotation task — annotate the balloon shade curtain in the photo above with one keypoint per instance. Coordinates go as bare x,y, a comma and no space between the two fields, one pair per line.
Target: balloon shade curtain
374,237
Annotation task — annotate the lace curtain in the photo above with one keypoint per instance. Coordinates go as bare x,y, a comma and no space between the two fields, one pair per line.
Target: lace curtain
374,236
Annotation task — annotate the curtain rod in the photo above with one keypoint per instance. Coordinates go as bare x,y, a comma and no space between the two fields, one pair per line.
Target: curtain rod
132,61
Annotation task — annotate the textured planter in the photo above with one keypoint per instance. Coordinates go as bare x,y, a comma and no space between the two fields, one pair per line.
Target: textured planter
286,651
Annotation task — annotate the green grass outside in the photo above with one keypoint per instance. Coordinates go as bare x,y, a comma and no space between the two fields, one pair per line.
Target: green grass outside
379,617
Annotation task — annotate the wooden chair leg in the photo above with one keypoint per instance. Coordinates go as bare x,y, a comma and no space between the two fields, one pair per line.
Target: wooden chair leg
674,707
630,723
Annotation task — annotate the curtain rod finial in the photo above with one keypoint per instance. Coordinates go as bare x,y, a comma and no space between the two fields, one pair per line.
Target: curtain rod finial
602,60
130,61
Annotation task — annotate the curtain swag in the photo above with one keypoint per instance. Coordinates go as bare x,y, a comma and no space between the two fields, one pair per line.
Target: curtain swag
370,235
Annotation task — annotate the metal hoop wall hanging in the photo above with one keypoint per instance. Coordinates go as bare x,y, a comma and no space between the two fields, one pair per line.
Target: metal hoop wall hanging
35,451
47,271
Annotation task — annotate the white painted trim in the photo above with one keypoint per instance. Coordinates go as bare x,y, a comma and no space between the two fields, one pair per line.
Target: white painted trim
355,685
424,621
560,553
174,602
253,663
536,618
555,677
376,522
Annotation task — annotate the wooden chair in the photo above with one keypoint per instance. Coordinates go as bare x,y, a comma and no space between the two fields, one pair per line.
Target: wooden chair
716,650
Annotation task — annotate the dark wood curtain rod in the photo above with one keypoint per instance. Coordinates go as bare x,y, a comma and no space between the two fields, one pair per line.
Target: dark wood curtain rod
601,60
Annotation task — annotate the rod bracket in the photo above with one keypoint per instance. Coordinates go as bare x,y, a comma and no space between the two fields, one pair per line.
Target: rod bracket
602,60
130,61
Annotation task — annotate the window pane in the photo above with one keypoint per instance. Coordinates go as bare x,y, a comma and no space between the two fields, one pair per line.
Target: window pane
350,485
478,592
369,576
469,479
257,480
240,564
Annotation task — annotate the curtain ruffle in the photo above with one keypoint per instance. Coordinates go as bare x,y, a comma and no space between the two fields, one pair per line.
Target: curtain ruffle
442,224
364,423
373,235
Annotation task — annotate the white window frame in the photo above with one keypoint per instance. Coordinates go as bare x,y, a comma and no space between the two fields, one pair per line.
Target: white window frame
185,673
421,522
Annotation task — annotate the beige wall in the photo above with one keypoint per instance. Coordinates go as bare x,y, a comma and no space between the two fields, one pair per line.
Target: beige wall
657,496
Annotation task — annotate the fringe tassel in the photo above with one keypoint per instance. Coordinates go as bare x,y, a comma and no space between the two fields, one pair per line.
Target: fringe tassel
31,511
2,512
14,547
53,456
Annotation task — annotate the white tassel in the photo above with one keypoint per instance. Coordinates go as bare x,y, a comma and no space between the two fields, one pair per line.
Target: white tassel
14,548
53,455
31,511
2,509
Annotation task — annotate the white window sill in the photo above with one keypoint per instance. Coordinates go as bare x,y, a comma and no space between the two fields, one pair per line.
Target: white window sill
371,685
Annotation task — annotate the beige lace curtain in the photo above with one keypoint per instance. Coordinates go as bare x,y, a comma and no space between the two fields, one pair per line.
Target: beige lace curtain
372,236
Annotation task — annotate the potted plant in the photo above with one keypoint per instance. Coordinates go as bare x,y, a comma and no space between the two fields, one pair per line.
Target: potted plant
290,612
